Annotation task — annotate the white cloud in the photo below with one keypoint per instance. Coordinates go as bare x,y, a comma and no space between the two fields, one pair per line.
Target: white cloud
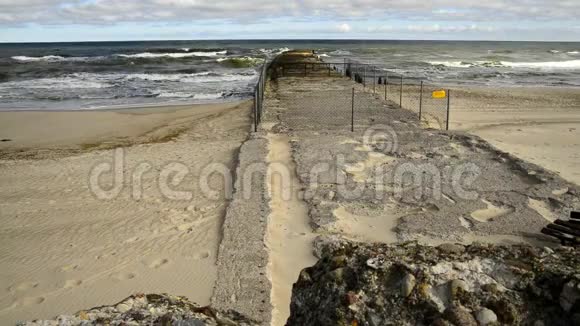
111,11
450,28
344,28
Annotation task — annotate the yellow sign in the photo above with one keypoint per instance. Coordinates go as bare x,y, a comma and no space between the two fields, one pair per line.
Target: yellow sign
439,94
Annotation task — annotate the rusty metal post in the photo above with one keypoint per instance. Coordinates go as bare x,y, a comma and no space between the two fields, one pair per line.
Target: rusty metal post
448,106
374,79
420,101
365,77
352,113
387,87
401,95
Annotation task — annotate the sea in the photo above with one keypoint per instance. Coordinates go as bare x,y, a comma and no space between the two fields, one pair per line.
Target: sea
100,75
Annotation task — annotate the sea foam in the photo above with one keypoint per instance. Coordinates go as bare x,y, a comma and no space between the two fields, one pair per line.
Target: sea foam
149,55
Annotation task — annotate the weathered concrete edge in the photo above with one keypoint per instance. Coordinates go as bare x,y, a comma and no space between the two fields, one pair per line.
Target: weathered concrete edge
242,283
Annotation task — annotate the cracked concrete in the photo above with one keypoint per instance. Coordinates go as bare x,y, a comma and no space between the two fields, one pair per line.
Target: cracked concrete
440,184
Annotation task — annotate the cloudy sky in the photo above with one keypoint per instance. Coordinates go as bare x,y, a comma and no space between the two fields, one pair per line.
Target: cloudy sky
98,20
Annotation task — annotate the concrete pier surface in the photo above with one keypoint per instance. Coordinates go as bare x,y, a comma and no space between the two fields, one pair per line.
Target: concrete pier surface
368,171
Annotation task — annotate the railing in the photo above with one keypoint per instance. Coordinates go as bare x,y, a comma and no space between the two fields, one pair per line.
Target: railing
430,102
259,92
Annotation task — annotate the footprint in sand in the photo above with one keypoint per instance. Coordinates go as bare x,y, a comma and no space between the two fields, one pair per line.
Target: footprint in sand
123,276
131,240
68,268
185,227
25,286
158,263
31,301
69,284
491,212
201,255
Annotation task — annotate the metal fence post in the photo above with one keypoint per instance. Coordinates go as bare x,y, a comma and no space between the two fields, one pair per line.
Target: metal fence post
448,105
387,87
352,113
374,79
420,101
365,77
401,97
256,109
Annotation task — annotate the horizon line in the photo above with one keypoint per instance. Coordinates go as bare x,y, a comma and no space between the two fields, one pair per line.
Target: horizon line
288,39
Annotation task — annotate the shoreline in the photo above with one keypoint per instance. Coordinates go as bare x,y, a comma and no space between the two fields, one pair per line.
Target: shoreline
54,134
168,104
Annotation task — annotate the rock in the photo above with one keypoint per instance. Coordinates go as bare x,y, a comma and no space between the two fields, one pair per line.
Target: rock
539,323
331,195
459,316
570,294
123,307
485,317
151,309
408,284
450,248
441,322
411,284
376,262
456,286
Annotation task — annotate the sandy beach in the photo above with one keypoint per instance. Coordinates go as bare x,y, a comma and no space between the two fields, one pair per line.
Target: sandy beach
64,248
537,124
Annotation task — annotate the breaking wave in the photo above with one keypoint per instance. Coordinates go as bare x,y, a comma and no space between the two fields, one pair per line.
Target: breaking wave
53,58
175,55
340,53
571,64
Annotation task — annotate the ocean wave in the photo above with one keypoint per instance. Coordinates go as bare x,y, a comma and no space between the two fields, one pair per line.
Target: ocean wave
175,55
340,53
241,62
52,58
175,95
274,51
68,82
572,64
195,96
573,52
203,77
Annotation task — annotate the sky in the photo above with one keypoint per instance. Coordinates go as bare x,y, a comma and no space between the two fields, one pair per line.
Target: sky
120,20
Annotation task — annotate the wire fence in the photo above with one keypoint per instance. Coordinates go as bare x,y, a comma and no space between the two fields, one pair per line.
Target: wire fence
430,102
364,105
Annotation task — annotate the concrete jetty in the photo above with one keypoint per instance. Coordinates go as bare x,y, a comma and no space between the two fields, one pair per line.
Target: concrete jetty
369,172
